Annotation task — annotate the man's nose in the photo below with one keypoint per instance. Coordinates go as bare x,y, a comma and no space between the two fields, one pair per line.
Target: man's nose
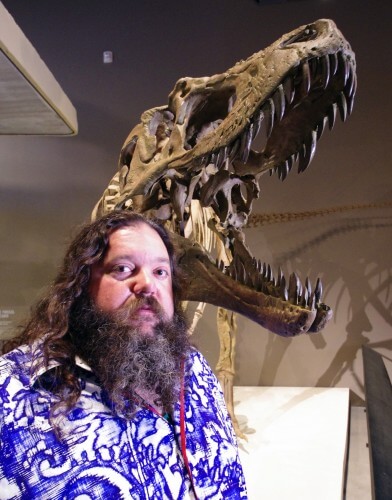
144,283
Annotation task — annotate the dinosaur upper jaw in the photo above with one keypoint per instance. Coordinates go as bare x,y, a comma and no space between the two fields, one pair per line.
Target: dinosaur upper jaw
292,86
264,114
285,310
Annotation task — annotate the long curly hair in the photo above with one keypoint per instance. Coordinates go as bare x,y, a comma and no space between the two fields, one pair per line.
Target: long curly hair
50,318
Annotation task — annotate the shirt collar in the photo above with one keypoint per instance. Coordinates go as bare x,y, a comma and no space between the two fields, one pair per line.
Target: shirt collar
38,367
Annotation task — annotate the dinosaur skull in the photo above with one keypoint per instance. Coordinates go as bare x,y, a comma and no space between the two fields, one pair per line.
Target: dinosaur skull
213,141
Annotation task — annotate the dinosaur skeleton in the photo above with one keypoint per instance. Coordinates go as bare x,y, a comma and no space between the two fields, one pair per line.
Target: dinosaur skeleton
206,151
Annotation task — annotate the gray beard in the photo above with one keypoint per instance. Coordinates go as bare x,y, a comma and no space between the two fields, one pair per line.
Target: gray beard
124,360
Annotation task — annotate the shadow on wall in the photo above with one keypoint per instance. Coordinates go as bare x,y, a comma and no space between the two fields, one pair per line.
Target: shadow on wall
358,287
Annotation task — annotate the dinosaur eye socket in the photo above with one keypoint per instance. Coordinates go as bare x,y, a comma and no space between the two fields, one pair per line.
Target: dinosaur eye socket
127,152
305,35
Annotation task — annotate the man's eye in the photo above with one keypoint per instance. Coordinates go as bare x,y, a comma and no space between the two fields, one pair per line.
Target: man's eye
121,269
162,272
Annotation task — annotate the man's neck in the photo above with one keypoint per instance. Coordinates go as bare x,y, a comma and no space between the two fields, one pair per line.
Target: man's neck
150,398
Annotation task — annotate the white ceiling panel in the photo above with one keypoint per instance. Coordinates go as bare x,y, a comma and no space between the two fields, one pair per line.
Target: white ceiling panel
31,100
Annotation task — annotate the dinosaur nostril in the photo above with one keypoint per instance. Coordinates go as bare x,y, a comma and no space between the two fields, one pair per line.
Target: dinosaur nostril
309,33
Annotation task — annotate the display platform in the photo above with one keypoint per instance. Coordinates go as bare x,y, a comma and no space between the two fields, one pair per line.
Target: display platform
296,441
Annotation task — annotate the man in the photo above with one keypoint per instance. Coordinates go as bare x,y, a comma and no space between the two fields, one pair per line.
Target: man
105,398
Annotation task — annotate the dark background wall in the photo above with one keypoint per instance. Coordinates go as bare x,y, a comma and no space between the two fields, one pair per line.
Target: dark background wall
49,184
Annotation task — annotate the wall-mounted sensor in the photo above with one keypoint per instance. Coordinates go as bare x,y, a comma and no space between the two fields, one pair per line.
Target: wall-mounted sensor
108,56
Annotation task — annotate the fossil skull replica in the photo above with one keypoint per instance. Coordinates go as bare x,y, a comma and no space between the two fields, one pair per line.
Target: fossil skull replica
211,144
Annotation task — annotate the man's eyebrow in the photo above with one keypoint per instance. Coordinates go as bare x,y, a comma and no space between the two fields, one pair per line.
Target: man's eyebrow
163,260
121,257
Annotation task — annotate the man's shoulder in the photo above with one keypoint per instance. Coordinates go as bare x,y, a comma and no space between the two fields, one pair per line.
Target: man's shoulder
15,363
196,356
198,365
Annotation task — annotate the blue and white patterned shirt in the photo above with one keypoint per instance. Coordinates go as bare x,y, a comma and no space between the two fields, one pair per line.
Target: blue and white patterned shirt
104,456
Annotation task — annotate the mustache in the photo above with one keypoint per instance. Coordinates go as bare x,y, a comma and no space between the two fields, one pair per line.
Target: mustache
127,311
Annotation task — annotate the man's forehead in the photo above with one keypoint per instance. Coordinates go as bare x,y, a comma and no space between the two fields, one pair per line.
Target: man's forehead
140,236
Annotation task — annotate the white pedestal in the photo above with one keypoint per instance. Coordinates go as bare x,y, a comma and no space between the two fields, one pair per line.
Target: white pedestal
297,438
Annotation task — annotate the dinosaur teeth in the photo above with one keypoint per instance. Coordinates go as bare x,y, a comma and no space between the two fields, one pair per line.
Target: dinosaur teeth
316,74
240,271
294,292
344,67
331,114
284,294
246,142
302,164
349,91
318,291
350,86
300,288
233,150
308,151
350,103
325,70
294,287
269,113
257,120
320,71
306,79
308,286
290,162
222,157
279,100
307,298
262,280
320,127
303,301
279,277
283,170
354,88
289,89
269,275
342,106
333,63
312,302
211,159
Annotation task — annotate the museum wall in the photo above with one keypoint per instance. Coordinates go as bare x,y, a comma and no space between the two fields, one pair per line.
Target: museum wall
50,184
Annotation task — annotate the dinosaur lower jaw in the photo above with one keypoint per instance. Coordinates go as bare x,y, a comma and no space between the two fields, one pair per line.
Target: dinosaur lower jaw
204,282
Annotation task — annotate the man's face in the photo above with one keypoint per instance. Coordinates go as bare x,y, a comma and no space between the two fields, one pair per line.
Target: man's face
135,266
